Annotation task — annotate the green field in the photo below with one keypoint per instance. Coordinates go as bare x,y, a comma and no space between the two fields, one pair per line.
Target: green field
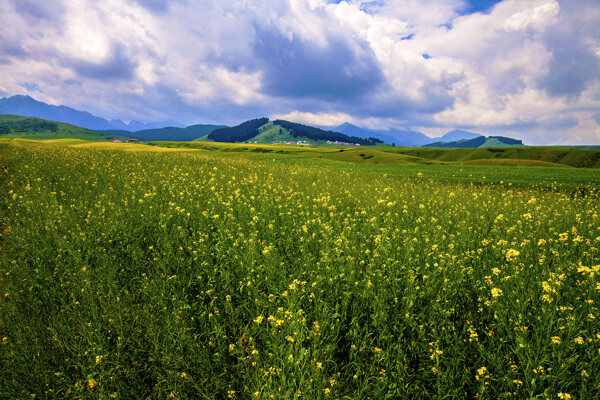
205,270
543,168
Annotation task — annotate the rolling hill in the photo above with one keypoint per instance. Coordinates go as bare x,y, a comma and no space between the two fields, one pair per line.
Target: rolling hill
525,156
261,130
480,141
168,133
38,128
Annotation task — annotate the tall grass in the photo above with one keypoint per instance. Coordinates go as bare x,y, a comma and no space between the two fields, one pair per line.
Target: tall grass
186,275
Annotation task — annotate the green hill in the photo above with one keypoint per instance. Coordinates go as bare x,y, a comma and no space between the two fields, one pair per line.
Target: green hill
481,141
239,133
169,133
271,133
540,155
263,131
38,128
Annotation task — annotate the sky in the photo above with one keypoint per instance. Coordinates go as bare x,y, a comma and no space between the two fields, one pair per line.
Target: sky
528,69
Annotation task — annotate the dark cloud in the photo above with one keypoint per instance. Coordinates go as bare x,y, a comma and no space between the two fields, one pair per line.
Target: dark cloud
573,66
294,67
10,50
118,67
39,10
574,63
162,102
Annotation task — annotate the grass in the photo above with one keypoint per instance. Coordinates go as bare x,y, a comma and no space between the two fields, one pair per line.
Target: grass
444,165
208,273
383,154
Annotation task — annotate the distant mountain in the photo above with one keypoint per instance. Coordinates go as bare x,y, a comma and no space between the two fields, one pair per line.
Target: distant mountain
261,130
480,141
456,135
353,130
136,126
28,106
399,137
406,137
169,133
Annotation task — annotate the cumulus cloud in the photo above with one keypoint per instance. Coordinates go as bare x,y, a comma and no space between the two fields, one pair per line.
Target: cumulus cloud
530,68
335,70
536,18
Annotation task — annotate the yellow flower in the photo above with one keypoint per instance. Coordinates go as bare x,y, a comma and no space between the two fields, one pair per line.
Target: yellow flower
578,340
259,319
319,365
555,339
92,383
564,396
512,254
496,292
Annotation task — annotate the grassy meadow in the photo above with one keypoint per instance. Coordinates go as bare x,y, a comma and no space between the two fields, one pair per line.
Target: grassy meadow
134,271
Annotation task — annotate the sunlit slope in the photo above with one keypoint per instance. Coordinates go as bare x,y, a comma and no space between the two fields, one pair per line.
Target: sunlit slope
89,144
554,155
271,133
38,128
523,156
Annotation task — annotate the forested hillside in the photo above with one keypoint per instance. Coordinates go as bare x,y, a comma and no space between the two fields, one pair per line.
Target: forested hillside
240,133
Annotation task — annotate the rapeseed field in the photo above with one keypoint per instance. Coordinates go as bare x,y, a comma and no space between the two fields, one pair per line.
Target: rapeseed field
192,274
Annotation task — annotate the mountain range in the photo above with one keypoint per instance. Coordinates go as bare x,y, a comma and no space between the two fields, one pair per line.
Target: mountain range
404,137
268,132
30,107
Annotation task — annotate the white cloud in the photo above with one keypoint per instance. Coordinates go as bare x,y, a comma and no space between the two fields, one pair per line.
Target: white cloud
533,17
321,119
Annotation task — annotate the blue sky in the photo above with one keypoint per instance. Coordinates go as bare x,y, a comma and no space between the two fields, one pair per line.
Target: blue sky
479,6
529,69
